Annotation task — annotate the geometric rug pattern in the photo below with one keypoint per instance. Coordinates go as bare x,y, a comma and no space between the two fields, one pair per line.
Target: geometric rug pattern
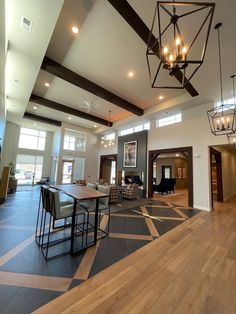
27,281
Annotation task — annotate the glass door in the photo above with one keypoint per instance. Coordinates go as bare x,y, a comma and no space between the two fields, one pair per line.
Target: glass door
28,169
67,172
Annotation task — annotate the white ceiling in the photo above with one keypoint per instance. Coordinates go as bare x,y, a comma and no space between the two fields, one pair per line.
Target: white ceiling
104,51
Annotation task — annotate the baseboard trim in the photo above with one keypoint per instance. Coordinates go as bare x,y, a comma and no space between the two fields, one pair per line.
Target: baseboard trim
202,208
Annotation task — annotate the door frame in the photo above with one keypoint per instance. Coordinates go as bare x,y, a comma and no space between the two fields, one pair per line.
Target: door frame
153,154
218,159
103,158
67,160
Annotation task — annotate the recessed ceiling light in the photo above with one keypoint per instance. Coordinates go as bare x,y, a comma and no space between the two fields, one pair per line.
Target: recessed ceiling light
69,118
35,107
35,123
75,29
130,74
177,155
95,125
47,84
161,97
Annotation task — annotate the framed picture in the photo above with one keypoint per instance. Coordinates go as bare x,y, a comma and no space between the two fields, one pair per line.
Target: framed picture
184,173
179,173
130,154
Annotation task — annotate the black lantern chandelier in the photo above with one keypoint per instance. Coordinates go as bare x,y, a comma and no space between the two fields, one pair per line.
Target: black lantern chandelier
175,41
222,118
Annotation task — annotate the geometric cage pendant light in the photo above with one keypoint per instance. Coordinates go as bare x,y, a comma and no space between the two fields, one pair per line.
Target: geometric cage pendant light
177,42
222,118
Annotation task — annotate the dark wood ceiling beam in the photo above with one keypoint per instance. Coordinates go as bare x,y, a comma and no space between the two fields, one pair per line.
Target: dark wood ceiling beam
68,110
137,24
62,72
38,118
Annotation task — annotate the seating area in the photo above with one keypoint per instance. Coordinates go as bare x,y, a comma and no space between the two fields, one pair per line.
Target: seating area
165,186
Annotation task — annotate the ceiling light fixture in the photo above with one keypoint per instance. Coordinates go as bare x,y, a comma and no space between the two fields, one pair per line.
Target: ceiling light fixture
180,54
75,29
131,74
106,140
47,84
222,118
35,107
161,97
69,118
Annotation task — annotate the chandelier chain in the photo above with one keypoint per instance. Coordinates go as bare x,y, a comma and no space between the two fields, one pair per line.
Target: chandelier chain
220,63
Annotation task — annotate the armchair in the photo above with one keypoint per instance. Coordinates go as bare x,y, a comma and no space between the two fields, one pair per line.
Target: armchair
131,192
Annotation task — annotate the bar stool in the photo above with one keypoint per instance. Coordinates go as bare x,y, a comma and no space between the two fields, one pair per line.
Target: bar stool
58,211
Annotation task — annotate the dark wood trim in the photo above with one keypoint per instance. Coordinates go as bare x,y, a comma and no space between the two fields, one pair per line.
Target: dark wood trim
218,163
71,111
137,24
35,117
59,70
189,151
107,157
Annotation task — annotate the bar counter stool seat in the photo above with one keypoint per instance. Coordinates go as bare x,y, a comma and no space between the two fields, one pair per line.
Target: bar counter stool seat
58,211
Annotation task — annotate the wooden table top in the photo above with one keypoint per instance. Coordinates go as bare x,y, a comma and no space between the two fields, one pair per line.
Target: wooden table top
79,192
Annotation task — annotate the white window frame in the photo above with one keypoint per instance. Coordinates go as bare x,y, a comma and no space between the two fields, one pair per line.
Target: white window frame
173,119
38,135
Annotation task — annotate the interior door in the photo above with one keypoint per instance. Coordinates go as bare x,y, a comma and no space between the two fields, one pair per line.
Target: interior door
67,171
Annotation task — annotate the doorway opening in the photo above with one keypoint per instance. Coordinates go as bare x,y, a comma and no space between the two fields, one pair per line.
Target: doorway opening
28,169
108,168
222,160
175,165
67,171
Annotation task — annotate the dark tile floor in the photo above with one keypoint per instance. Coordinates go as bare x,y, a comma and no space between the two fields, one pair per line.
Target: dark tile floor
24,274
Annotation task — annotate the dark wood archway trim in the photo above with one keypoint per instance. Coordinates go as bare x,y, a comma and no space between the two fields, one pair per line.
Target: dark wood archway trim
65,74
137,24
104,158
153,154
218,159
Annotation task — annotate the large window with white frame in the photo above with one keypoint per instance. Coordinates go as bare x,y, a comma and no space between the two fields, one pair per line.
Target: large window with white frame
74,141
169,120
32,139
138,128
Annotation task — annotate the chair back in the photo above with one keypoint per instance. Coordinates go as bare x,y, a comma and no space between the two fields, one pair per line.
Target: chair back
91,186
54,203
44,197
106,190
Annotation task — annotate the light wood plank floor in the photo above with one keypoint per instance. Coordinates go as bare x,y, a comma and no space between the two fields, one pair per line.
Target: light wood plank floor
191,269
180,197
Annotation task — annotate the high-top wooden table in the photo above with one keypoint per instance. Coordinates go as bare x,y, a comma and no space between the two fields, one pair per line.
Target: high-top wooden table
81,193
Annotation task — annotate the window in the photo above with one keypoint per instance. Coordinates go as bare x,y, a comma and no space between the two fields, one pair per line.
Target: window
32,139
28,168
74,141
169,120
110,136
138,128
126,131
69,143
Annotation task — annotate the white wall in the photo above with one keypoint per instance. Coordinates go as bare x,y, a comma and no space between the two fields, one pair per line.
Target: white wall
2,73
90,155
11,149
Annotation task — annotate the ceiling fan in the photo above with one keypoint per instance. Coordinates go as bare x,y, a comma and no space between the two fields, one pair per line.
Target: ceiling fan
88,106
